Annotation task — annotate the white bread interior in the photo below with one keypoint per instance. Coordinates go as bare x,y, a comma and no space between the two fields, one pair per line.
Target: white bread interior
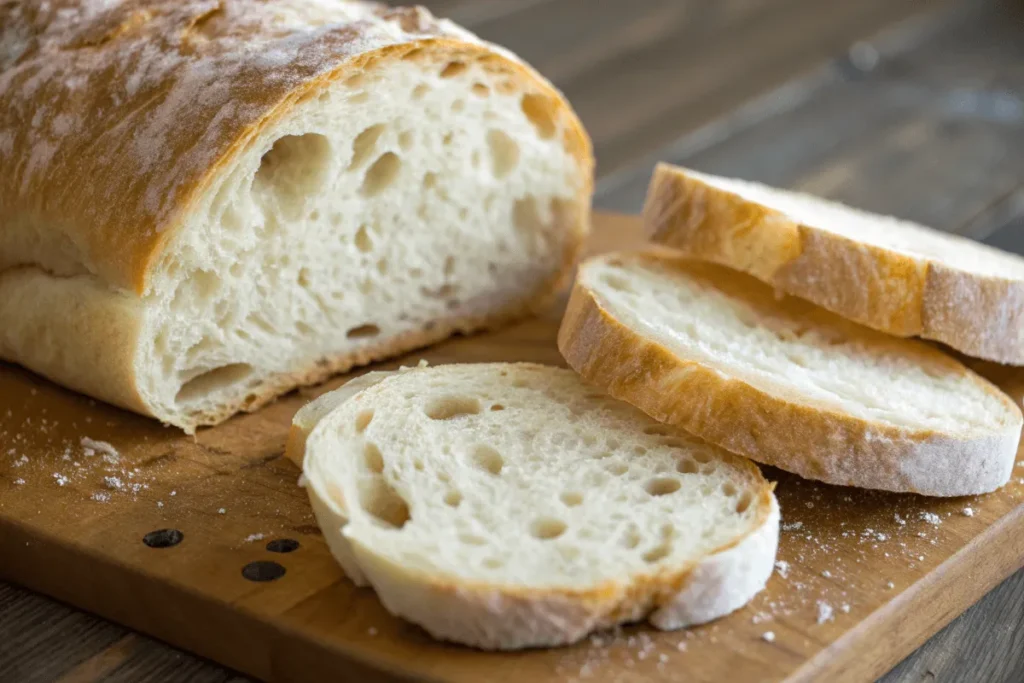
783,382
510,505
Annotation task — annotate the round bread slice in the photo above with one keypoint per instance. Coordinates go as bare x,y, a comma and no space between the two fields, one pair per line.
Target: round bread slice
784,382
895,276
507,506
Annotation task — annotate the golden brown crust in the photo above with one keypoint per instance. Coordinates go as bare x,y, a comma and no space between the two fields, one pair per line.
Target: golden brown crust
884,289
94,97
780,427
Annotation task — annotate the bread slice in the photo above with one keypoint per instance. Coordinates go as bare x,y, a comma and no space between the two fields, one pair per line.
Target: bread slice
206,204
784,382
892,275
510,505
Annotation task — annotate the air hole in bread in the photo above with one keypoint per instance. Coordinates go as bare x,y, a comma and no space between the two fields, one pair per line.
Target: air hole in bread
526,216
639,450
382,266
547,528
630,540
363,420
493,563
305,329
405,140
293,170
472,539
488,459
539,112
702,457
504,153
656,554
372,458
571,498
362,240
613,444
368,330
355,80
382,502
602,455
412,54
729,488
416,273
453,69
418,464
496,407
618,468
659,430
443,476
381,175
481,90
303,277
744,502
450,407
687,466
662,486
213,381
458,105
420,90
452,498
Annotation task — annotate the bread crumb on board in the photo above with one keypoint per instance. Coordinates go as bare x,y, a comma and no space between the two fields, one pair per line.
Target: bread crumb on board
931,518
783,568
768,636
967,511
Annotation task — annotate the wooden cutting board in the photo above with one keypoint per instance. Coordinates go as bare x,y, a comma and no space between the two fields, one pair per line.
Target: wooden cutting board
864,577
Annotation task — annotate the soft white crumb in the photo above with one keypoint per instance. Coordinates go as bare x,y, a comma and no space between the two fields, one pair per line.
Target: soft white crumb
174,493
890,585
824,612
783,568
793,526
60,479
681,646
159,503
221,511
968,511
827,574
845,608
113,483
100,496
19,481
254,537
768,636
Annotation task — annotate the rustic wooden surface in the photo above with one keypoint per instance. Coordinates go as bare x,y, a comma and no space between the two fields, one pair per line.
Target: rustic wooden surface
927,132
868,576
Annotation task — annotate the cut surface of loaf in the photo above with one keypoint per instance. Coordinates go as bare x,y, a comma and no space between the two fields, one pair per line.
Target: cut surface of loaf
219,201
893,275
510,505
784,382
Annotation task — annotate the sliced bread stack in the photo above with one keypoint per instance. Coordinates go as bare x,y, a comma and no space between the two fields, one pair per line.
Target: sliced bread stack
739,355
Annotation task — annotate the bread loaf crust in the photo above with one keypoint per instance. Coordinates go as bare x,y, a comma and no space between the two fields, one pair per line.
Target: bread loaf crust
780,428
898,293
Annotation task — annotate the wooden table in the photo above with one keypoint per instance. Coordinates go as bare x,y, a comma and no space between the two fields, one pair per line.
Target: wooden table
912,107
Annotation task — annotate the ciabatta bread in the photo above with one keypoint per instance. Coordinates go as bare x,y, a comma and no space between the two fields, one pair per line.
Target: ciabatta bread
204,204
892,275
509,505
784,382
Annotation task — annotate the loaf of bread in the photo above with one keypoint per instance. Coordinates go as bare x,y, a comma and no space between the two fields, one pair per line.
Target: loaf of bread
510,505
204,204
783,382
892,275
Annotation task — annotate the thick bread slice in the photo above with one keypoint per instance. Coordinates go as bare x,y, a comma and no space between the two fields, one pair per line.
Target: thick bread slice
204,204
510,505
784,382
892,275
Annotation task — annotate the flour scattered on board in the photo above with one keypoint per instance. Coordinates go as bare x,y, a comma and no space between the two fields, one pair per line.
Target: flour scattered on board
825,612
931,518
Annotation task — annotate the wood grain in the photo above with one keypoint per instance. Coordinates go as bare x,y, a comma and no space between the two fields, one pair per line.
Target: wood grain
888,575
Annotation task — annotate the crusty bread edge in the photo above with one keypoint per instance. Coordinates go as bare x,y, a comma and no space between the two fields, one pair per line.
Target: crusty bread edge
812,442
887,290
502,618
